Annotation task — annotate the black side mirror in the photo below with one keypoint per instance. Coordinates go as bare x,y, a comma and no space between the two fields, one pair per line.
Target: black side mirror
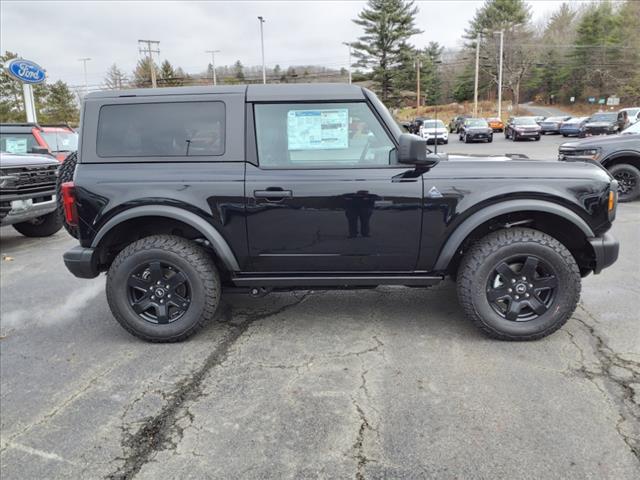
413,151
38,150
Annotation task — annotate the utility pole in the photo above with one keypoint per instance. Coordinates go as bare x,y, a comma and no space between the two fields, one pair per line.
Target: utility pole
349,45
264,70
84,61
213,63
501,33
148,51
475,88
418,65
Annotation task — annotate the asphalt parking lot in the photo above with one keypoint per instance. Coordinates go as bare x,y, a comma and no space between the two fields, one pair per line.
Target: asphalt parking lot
390,383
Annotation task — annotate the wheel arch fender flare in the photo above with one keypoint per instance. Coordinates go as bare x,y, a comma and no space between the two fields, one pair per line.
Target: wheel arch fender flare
606,163
217,241
463,230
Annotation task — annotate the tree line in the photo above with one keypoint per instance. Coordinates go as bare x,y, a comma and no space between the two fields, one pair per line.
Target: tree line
579,51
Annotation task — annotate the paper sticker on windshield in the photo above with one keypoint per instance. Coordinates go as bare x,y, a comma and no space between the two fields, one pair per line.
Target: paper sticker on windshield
16,145
318,129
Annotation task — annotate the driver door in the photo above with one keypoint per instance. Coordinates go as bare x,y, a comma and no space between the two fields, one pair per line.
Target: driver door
324,192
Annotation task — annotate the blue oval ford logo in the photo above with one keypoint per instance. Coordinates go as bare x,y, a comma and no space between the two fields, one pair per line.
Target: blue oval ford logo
26,71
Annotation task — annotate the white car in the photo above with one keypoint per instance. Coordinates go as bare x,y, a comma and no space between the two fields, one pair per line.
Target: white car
633,114
434,130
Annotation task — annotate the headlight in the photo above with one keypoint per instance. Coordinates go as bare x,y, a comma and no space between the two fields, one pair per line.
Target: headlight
592,154
7,181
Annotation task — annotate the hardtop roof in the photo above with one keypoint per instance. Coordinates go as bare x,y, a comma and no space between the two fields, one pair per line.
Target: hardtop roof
253,93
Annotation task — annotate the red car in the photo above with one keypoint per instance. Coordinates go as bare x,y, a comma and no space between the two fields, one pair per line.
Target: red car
22,138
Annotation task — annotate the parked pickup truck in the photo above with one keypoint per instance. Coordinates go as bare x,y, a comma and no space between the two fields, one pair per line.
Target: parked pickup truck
28,194
180,194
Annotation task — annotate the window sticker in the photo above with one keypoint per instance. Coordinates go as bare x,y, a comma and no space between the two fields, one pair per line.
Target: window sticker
16,145
318,129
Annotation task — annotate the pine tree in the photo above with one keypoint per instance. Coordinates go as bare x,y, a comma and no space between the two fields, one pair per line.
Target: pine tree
11,103
142,73
168,76
60,105
388,25
238,71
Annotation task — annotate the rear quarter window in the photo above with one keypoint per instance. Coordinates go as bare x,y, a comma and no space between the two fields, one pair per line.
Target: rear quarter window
166,129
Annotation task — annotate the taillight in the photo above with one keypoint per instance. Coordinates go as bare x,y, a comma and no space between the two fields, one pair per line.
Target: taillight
69,203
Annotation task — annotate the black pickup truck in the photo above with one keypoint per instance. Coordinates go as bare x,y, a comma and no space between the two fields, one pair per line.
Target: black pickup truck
180,194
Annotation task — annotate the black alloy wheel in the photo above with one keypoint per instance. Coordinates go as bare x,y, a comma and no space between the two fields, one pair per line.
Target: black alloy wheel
522,288
159,292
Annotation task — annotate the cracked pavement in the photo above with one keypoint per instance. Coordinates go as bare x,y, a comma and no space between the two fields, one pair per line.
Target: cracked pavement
389,383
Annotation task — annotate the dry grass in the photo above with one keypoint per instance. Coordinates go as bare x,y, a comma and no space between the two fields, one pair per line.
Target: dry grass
445,113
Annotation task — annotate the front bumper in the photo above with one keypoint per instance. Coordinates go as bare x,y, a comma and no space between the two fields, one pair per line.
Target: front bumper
473,136
22,208
606,249
81,262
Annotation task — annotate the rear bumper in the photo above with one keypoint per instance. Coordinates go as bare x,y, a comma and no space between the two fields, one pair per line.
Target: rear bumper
81,262
606,249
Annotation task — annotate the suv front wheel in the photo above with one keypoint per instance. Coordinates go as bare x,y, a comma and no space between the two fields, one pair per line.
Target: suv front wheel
518,284
628,178
163,288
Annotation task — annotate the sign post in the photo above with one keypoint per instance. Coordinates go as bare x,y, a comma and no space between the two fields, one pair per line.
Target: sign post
29,73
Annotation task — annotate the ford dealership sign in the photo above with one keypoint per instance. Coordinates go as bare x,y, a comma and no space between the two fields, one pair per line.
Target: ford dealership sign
26,71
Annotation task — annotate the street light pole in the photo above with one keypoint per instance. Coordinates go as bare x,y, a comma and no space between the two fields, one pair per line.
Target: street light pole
349,45
501,33
475,88
264,70
84,66
213,63
418,85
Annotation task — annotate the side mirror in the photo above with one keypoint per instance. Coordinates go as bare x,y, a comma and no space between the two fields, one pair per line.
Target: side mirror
413,151
38,150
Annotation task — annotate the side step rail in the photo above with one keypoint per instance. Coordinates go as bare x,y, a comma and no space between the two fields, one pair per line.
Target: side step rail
299,281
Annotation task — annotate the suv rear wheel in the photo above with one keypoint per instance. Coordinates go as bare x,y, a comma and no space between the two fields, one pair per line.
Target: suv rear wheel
518,284
65,174
628,178
163,288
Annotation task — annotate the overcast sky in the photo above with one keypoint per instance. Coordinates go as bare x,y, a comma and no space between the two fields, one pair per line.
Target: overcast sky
56,34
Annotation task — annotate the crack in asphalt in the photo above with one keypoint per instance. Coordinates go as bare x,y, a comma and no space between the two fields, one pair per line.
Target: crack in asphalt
622,391
358,446
157,432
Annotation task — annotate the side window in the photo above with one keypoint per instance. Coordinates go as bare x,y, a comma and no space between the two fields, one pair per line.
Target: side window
320,135
170,129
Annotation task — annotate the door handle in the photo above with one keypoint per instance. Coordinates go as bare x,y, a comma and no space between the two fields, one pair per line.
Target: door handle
273,195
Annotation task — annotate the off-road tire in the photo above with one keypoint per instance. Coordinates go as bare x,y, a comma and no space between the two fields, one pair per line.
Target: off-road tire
65,174
479,263
625,168
192,260
43,226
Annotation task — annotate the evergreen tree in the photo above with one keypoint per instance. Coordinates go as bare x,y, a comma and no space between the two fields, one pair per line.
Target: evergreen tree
238,71
11,102
142,73
387,25
463,88
60,105
168,76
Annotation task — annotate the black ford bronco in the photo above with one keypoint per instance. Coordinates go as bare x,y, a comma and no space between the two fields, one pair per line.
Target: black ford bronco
181,194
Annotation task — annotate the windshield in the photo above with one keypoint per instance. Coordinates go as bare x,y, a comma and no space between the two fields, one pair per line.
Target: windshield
476,122
493,120
555,119
635,128
433,124
17,142
61,141
524,121
604,117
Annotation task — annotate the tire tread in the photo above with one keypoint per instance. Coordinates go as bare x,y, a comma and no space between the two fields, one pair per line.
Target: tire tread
488,245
